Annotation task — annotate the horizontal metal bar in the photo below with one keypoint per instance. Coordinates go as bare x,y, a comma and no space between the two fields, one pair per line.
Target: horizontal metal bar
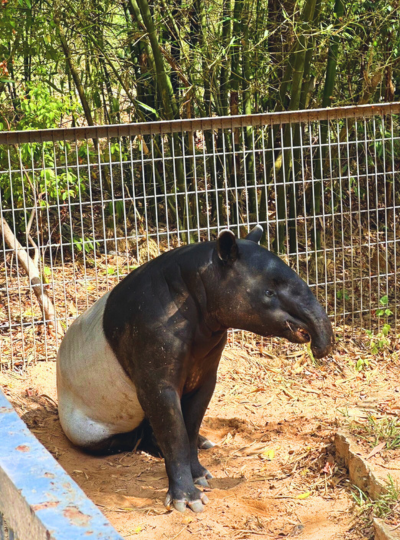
37,497
197,124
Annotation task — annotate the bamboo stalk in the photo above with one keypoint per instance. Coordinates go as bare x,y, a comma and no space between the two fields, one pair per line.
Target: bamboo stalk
235,61
225,67
297,79
168,100
73,70
164,82
326,102
247,106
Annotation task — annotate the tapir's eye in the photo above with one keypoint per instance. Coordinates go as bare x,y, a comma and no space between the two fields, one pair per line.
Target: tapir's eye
269,293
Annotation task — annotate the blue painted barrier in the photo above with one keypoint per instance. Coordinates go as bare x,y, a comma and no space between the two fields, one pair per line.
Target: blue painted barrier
38,499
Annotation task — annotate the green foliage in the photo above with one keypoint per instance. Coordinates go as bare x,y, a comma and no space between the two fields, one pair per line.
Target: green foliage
116,209
42,110
48,186
203,46
340,295
361,365
381,340
39,109
86,243
115,152
384,311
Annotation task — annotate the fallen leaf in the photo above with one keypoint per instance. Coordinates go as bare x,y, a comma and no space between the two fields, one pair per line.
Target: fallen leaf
328,469
376,450
268,454
303,495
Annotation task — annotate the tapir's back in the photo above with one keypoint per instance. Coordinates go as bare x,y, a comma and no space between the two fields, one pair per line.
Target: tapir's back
96,397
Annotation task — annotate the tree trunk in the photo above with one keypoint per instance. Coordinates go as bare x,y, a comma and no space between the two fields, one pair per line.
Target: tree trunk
31,269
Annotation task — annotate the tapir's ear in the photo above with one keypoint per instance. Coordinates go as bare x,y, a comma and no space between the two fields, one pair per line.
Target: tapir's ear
227,248
256,234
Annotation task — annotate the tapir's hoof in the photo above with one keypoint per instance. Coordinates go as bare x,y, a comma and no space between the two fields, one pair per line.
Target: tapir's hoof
181,504
201,481
204,444
198,506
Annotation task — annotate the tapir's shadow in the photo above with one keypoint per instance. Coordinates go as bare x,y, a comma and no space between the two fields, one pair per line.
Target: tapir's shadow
225,483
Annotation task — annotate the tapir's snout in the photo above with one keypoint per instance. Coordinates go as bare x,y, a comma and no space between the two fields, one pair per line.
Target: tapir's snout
323,340
321,333
310,323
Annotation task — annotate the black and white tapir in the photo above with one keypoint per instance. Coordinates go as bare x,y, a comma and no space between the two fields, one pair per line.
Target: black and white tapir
148,351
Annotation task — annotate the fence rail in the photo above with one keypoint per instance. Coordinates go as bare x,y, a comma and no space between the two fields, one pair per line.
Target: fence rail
198,124
81,207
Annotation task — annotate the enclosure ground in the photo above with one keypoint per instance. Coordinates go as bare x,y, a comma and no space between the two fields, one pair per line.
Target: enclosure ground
274,415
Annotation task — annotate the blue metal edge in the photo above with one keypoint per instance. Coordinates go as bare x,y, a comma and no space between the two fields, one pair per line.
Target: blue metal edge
57,501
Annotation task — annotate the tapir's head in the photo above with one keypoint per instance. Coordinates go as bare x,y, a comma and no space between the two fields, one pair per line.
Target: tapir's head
258,292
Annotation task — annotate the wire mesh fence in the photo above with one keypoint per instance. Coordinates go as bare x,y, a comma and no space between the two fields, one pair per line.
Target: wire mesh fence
83,207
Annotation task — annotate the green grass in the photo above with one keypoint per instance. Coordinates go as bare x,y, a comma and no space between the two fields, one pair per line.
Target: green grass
383,507
375,431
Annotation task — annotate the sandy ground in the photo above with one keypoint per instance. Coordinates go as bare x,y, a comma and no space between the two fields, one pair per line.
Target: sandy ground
273,416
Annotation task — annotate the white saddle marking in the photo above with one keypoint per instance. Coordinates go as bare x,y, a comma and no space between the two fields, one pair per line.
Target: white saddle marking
96,398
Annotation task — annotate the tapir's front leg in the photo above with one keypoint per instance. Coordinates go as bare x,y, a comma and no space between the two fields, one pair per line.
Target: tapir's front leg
163,408
194,406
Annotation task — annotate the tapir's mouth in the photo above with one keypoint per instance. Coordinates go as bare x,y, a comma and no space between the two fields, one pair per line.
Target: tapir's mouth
299,335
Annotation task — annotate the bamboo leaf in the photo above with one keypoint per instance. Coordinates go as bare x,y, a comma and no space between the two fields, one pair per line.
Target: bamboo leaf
148,108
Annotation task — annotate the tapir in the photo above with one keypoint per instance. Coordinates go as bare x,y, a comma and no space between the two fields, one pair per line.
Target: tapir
148,351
